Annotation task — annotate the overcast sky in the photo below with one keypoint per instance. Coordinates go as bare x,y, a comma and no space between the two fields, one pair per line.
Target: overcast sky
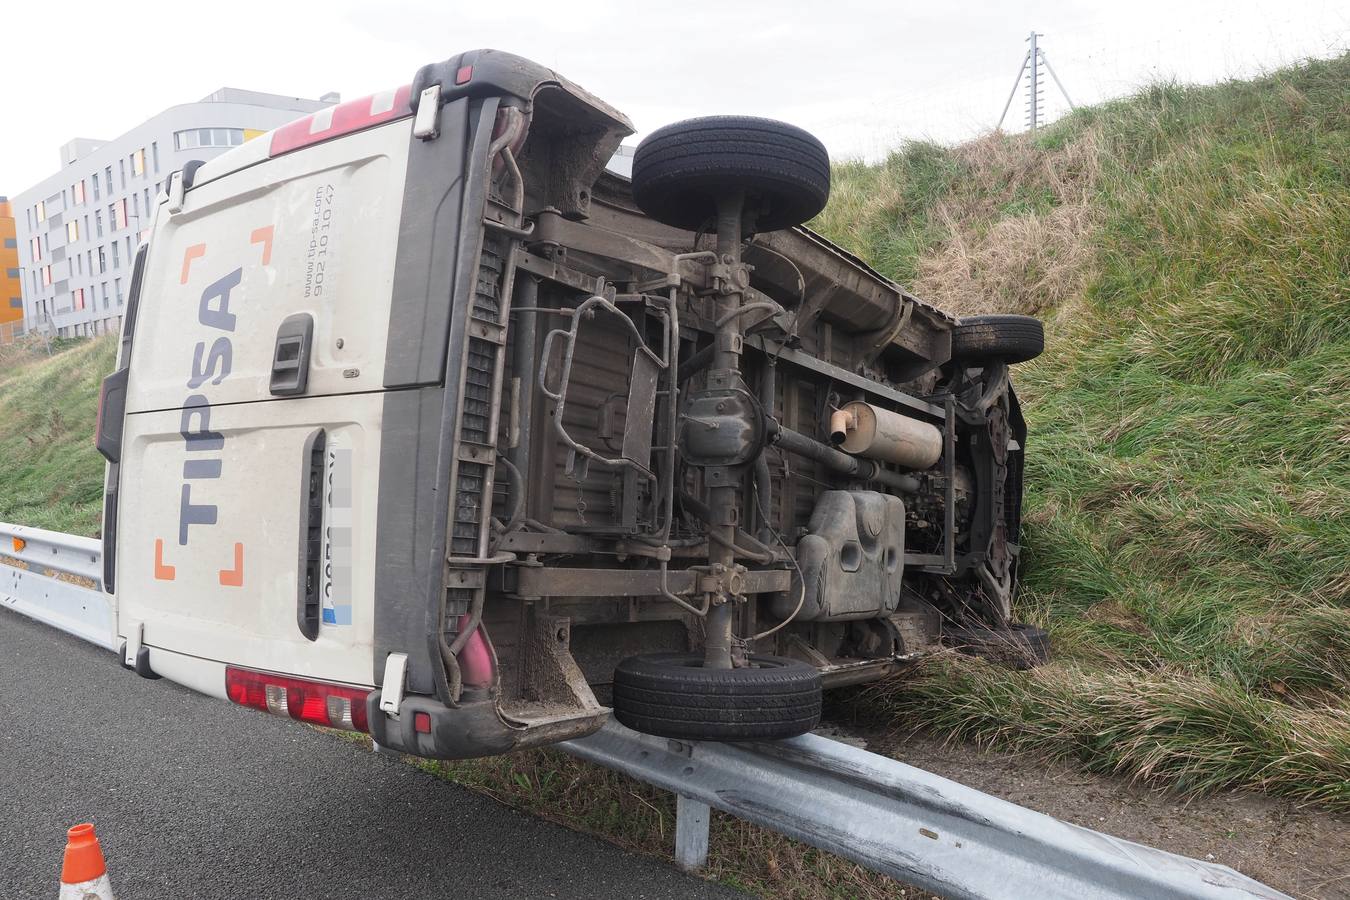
863,76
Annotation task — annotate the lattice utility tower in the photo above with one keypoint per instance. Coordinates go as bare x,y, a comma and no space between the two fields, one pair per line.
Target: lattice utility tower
1032,61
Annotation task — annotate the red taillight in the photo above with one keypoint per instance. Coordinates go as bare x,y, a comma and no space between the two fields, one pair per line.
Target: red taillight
463,75
316,702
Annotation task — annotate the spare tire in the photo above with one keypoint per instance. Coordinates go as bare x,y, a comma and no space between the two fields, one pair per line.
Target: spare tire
1004,338
673,695
681,170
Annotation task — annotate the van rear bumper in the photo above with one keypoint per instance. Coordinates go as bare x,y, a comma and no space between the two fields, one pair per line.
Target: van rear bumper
476,727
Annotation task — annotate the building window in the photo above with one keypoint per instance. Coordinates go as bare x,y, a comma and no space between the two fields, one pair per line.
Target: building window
117,286
35,246
121,207
95,180
208,137
79,261
102,260
107,179
98,222
77,192
105,294
112,216
117,262
138,162
72,231
154,155
122,170
40,210
130,255
77,298
46,276
136,205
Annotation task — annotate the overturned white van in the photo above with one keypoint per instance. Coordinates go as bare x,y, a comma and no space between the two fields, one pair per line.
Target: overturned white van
426,425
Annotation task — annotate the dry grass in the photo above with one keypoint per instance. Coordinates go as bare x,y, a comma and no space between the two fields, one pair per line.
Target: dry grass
1159,726
1016,237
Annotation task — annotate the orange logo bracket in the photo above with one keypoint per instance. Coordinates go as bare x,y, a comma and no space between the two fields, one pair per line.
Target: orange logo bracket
234,577
163,572
263,236
196,251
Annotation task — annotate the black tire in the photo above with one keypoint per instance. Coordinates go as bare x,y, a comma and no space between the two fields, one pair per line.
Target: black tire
1017,647
1007,338
679,172
672,695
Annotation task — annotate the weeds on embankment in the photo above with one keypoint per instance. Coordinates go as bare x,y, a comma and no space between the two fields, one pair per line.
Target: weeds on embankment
1187,536
50,474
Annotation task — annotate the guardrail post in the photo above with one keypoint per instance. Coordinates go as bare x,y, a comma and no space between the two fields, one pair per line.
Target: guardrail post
691,833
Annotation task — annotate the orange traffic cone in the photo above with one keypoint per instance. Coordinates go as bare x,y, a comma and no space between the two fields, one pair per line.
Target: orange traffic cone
83,873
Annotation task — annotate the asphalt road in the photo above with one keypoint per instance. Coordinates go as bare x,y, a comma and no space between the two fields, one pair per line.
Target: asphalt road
195,797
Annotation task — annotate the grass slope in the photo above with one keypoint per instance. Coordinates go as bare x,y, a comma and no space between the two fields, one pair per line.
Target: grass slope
1188,482
50,474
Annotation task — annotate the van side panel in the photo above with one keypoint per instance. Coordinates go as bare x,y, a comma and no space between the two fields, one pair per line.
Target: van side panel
428,250
439,243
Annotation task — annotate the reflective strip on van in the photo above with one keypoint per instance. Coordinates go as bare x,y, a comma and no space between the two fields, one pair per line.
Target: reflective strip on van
334,121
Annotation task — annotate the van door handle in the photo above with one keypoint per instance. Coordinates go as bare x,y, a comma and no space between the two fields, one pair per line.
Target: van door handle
290,357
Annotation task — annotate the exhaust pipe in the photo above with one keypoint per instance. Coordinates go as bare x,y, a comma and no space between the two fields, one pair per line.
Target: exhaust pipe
866,430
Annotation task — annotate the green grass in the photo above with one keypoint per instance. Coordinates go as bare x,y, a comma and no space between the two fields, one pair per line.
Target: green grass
50,474
1188,484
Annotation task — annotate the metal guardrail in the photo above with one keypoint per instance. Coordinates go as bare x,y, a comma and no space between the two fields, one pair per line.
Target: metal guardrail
61,584
901,821
64,554
882,814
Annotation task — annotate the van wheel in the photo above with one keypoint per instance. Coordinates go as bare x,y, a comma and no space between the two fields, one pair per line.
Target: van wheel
673,695
680,171
1006,338
1016,647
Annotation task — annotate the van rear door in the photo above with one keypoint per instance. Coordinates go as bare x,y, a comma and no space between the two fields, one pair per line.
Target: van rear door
250,456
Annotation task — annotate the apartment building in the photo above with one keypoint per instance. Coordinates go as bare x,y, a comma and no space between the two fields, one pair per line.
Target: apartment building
11,294
77,231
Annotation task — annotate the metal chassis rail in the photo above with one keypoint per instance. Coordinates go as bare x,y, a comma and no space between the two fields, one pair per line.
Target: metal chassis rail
882,814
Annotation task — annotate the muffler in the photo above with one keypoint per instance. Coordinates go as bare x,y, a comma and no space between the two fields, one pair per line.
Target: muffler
866,430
